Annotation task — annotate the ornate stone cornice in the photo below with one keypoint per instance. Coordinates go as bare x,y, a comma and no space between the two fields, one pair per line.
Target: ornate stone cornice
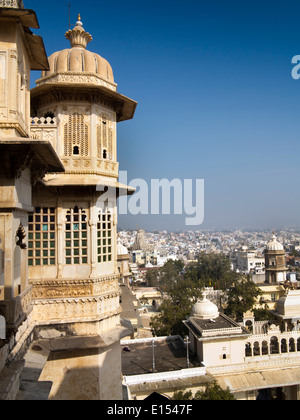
76,77
51,289
13,126
73,281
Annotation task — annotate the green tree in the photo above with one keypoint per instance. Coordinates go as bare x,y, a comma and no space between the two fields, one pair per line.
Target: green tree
242,296
263,313
213,392
175,308
212,269
170,275
152,277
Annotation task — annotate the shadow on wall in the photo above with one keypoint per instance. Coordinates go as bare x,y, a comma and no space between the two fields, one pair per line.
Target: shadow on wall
91,374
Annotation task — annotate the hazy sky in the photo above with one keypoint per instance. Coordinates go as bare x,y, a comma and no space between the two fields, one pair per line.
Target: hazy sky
216,99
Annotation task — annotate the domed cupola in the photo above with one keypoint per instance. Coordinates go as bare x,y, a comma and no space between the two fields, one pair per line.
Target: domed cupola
79,76
274,245
77,64
205,309
121,249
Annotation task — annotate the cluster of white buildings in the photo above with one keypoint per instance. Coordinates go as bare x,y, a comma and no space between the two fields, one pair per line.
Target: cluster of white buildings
255,360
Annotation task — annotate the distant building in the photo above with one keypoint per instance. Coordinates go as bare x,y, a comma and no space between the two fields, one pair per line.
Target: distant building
276,273
252,366
275,262
263,364
140,242
123,264
247,261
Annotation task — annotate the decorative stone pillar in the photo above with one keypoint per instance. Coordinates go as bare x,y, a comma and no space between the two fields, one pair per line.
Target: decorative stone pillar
93,248
60,242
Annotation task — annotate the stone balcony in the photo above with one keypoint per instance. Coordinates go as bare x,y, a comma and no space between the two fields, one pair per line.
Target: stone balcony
47,129
44,129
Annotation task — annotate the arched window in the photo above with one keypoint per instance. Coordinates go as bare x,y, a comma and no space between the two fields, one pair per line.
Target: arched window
76,237
104,139
248,350
264,348
249,325
274,345
256,349
283,346
76,150
292,345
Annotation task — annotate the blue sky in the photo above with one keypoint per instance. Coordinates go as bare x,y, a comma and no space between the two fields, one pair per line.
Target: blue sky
216,99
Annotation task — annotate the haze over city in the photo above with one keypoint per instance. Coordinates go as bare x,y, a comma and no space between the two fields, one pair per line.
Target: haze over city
216,100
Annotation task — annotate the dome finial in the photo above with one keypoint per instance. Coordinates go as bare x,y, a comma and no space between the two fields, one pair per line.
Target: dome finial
79,23
78,36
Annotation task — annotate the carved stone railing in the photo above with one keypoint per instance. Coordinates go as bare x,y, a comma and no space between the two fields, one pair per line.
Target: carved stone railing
44,129
14,4
275,361
47,129
85,166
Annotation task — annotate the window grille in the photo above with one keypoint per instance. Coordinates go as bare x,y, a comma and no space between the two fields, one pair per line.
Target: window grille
76,237
42,237
104,237
76,136
104,139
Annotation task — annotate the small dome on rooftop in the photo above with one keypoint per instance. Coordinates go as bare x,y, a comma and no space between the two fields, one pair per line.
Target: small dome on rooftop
274,245
121,249
205,309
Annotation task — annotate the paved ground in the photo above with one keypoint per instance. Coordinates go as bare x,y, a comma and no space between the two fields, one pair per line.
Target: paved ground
168,357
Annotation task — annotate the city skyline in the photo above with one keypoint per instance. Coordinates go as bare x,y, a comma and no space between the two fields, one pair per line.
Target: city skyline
216,100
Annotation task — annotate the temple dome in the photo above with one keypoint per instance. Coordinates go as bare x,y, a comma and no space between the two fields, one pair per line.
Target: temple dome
274,245
121,249
77,61
205,309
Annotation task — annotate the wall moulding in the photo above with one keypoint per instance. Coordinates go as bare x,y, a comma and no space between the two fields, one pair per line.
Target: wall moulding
49,289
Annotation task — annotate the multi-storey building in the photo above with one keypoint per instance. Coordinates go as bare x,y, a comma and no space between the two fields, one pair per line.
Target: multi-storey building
59,186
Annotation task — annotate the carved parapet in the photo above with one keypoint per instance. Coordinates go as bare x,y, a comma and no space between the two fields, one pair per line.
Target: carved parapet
44,129
70,310
75,300
91,166
43,122
17,309
52,289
